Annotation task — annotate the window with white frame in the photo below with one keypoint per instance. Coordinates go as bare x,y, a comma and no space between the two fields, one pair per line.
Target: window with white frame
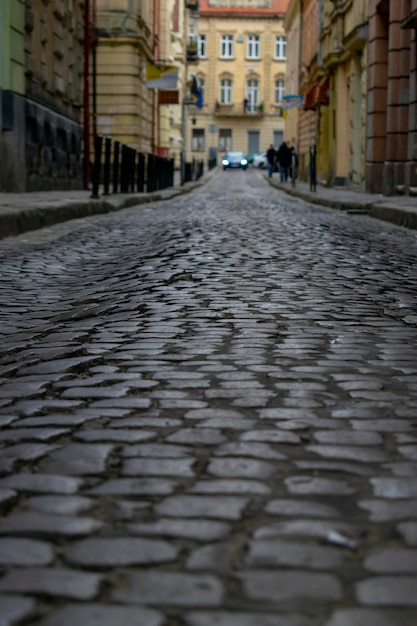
280,47
202,49
254,47
252,94
226,46
225,139
225,91
197,140
279,89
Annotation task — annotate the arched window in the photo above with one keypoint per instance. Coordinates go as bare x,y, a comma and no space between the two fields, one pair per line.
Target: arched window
226,91
252,94
279,90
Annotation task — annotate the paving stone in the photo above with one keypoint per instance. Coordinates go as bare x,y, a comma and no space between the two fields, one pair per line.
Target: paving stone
146,421
337,467
383,425
62,505
394,561
362,454
230,485
292,585
170,588
190,436
78,459
25,552
36,434
408,531
115,435
223,507
158,467
41,483
15,608
307,485
89,614
320,529
363,617
216,557
197,529
235,618
7,495
132,403
409,451
27,451
274,554
394,488
89,393
301,508
240,467
348,437
216,413
35,523
262,450
57,582
157,450
134,487
388,591
272,436
120,551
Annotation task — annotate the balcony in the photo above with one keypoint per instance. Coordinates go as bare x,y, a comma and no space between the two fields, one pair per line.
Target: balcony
192,4
192,51
238,110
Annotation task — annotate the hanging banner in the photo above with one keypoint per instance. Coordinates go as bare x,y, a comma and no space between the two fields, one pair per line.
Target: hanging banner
161,76
168,96
292,102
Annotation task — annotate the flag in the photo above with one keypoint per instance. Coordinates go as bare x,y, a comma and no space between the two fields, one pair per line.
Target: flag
161,76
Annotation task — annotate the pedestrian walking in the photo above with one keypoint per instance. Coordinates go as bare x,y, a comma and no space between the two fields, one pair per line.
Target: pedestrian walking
271,156
284,157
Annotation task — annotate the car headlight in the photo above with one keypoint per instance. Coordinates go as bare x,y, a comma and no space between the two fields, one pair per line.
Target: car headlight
243,162
225,162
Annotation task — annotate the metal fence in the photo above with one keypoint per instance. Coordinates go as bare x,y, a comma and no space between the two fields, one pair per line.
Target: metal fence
121,169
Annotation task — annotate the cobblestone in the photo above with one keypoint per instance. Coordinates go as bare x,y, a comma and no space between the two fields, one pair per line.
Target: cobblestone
207,416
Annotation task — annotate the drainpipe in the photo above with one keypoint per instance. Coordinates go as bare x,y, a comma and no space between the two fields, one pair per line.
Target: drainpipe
86,102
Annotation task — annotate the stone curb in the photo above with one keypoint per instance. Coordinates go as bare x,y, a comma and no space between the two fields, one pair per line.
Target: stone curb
16,221
393,213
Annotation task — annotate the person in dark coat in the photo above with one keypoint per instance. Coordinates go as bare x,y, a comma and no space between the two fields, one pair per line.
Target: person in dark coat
271,156
284,158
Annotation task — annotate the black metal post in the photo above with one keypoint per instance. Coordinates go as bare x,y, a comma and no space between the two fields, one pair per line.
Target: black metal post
106,172
312,166
124,174
98,144
141,173
116,166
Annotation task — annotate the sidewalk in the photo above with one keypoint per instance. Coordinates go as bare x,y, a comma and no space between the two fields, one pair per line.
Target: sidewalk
23,212
399,210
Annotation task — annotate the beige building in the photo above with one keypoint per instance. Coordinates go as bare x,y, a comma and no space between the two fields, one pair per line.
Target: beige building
241,74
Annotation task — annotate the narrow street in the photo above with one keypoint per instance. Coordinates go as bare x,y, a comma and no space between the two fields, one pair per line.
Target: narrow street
208,416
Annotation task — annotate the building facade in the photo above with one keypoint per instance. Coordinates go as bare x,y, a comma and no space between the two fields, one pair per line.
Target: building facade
41,83
358,75
240,73
391,140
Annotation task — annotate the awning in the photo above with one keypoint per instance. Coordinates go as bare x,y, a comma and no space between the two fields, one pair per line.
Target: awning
321,92
309,98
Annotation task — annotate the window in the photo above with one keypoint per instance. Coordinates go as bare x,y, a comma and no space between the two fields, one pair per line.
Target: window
226,91
279,89
280,47
252,94
226,47
225,139
254,47
202,46
197,140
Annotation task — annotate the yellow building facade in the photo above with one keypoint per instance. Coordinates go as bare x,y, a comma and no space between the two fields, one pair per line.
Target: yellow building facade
241,74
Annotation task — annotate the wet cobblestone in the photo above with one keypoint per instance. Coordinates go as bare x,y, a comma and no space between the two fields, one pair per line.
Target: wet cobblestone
207,416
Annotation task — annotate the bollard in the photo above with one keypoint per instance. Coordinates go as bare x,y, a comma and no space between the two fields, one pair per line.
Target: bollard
116,166
312,168
141,173
106,172
131,170
150,174
124,174
98,144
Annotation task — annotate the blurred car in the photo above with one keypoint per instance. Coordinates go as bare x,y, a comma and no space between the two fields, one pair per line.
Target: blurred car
234,160
260,161
250,157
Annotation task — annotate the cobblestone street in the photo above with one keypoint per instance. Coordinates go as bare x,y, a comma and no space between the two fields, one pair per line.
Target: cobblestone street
208,416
